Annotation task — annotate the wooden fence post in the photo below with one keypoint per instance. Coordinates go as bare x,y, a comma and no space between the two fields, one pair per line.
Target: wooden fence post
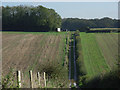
39,78
19,79
45,79
31,85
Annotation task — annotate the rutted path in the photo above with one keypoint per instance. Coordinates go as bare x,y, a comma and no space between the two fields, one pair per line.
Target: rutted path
72,63
75,71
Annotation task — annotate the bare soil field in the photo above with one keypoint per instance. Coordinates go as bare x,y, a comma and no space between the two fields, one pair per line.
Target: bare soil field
38,52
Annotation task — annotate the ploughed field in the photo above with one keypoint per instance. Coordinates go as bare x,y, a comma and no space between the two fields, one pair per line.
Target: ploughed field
43,52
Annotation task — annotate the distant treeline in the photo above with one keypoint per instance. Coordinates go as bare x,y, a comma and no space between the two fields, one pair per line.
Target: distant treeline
29,18
39,18
76,24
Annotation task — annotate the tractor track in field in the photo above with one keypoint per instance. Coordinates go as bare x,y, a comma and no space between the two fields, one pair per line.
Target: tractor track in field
70,64
74,64
75,71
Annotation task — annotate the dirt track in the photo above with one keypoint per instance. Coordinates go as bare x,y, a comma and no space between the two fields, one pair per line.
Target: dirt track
72,54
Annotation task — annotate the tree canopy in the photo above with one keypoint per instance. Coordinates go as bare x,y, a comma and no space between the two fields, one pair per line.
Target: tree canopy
30,18
76,23
39,18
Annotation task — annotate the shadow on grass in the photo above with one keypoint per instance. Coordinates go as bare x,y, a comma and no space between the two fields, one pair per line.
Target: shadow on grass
109,80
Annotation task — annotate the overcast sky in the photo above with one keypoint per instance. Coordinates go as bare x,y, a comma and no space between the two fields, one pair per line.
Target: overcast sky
85,10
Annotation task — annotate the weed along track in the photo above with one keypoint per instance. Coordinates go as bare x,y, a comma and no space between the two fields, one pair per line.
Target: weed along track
72,63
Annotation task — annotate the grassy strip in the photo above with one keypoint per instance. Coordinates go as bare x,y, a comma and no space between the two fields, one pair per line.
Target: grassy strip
94,61
99,79
81,70
109,48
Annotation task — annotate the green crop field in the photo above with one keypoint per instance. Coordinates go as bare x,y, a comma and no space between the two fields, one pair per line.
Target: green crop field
108,44
97,59
93,58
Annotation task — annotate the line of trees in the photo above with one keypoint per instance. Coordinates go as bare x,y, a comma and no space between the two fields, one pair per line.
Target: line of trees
76,24
39,18
30,18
